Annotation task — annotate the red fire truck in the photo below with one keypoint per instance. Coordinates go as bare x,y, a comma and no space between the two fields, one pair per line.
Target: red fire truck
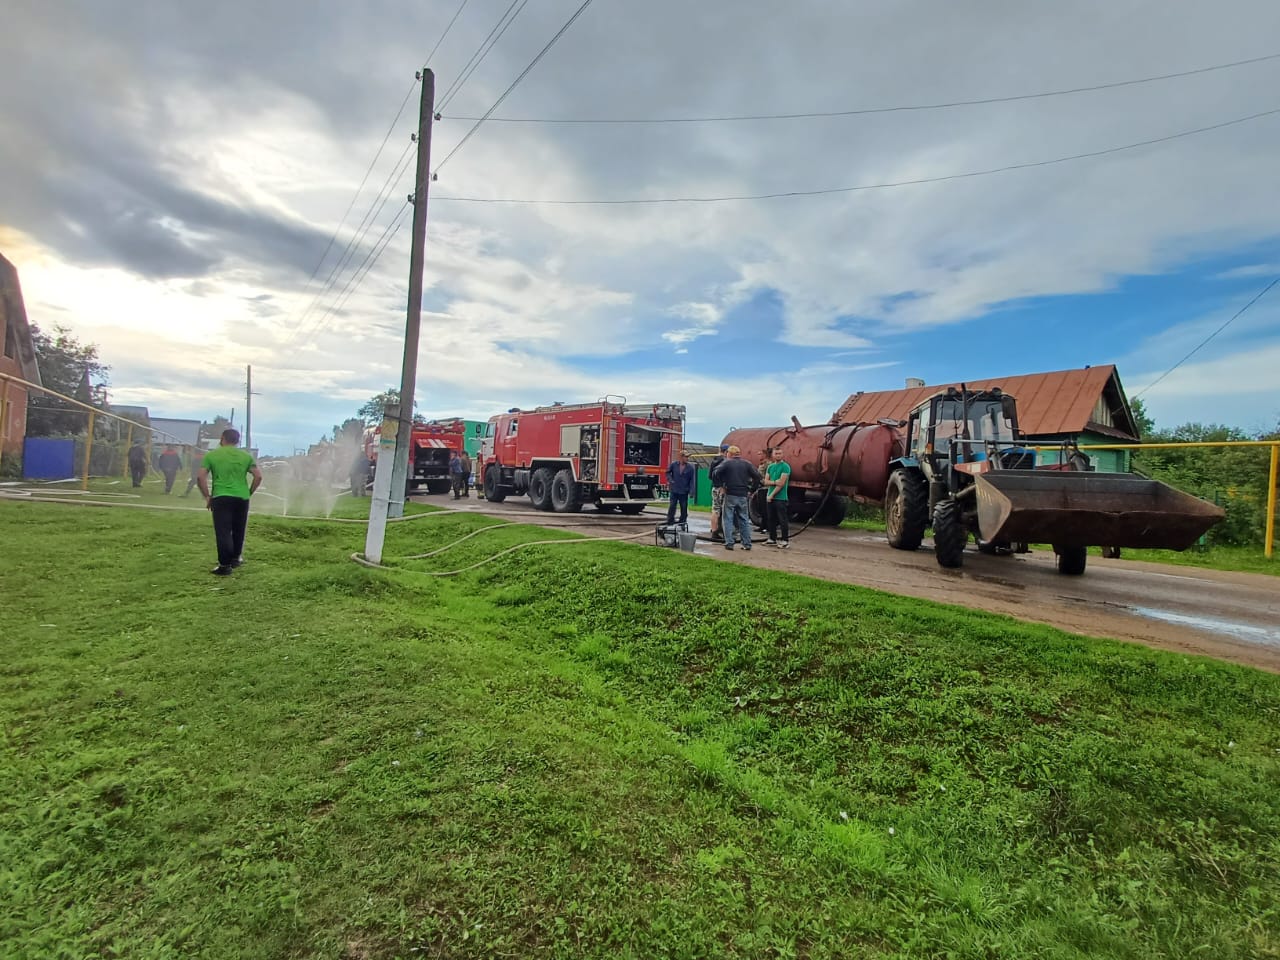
609,453
432,445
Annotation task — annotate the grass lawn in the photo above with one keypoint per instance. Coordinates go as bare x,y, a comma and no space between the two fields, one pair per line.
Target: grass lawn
594,750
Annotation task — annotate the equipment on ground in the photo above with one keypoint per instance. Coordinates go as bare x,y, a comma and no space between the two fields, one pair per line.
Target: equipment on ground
960,466
609,453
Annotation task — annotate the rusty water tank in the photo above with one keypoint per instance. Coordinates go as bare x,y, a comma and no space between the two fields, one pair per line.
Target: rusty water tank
857,454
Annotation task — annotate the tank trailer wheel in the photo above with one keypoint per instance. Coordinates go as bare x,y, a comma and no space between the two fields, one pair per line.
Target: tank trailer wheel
540,488
906,511
492,489
631,509
1111,553
566,497
758,510
1071,560
949,534
832,512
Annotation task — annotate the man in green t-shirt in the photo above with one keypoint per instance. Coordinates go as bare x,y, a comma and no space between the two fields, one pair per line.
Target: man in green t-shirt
777,479
227,498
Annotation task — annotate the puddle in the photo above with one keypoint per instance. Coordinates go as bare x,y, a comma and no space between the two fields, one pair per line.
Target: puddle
1241,631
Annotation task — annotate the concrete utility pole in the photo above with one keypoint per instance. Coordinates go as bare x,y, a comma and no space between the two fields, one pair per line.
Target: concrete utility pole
248,404
413,320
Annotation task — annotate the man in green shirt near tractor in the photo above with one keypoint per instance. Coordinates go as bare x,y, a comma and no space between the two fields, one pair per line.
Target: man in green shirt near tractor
777,479
228,499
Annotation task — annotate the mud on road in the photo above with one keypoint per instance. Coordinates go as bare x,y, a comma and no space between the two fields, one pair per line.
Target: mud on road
1230,616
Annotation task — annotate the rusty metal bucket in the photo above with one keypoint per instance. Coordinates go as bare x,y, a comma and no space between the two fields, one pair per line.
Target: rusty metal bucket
1089,509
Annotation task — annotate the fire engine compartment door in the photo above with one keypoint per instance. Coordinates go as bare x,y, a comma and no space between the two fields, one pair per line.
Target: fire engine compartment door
643,446
570,439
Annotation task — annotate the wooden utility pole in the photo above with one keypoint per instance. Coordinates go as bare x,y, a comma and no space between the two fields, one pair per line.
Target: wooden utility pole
248,404
413,319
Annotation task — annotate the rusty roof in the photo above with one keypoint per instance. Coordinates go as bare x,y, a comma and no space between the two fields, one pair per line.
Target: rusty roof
1061,402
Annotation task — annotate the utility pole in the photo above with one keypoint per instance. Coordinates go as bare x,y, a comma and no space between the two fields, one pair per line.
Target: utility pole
388,501
413,319
248,404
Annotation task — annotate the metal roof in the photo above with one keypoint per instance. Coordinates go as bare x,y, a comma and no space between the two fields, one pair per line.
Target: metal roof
1049,404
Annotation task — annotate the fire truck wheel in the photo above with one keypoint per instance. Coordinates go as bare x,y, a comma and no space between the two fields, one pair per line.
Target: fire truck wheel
492,489
631,509
566,497
438,486
540,488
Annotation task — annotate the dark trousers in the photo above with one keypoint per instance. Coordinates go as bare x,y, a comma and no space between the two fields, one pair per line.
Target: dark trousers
778,520
190,486
169,477
137,471
682,499
230,516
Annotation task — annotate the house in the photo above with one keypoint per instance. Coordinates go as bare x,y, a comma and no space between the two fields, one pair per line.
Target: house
17,359
1085,406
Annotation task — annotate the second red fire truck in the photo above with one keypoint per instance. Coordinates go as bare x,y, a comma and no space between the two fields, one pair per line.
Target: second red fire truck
608,453
433,443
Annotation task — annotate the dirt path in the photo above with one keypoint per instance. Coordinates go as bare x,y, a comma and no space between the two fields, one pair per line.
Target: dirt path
1231,616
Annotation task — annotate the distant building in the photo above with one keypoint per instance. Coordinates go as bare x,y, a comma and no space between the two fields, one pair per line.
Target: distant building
1086,406
17,358
165,430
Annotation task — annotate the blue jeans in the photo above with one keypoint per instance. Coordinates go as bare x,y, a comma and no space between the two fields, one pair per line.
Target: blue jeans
681,499
736,517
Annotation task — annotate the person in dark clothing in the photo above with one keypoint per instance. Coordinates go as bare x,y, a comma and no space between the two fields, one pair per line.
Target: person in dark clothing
137,462
738,477
466,474
170,464
717,495
457,478
359,474
196,454
682,477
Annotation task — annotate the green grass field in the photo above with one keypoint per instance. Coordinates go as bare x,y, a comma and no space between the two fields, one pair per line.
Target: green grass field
594,750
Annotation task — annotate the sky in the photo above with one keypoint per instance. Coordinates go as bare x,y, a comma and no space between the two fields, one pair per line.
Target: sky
179,183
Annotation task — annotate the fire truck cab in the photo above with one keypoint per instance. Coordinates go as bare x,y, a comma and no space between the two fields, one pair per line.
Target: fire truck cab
433,442
608,453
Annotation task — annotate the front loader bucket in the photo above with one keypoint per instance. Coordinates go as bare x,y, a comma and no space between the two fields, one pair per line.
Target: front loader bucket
1078,508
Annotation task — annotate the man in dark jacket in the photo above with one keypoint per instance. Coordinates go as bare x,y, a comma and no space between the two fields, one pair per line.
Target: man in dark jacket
738,477
682,477
170,464
137,462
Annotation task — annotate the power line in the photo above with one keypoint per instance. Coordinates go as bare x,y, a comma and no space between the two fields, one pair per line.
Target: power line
482,51
1265,290
514,83
890,109
456,14
865,186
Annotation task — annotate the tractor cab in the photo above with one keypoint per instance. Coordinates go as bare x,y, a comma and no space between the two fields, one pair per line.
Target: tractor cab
967,427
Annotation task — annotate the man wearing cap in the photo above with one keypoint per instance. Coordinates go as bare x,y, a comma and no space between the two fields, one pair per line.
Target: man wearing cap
681,478
717,495
738,477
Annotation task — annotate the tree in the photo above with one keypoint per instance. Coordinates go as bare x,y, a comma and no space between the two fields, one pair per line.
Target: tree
1141,419
350,433
373,409
72,369
212,429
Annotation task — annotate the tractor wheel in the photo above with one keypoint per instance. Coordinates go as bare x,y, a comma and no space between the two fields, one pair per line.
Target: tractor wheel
438,486
492,489
906,511
832,512
631,509
949,534
540,488
566,496
1071,560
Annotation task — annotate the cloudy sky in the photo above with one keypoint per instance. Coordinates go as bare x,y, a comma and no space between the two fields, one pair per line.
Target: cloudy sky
172,173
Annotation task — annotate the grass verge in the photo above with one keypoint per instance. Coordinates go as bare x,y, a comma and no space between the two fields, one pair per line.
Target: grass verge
594,751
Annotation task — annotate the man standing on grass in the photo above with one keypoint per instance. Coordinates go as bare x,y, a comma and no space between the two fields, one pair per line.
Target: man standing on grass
137,462
170,464
228,500
777,479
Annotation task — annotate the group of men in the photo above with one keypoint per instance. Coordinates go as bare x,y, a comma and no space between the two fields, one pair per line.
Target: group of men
733,480
459,474
169,462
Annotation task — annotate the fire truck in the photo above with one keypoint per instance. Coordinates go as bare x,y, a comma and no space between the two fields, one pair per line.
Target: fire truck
608,453
432,444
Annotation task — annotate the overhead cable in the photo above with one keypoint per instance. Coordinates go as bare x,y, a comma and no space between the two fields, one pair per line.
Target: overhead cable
456,14
816,114
865,186
514,83
1265,290
482,51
